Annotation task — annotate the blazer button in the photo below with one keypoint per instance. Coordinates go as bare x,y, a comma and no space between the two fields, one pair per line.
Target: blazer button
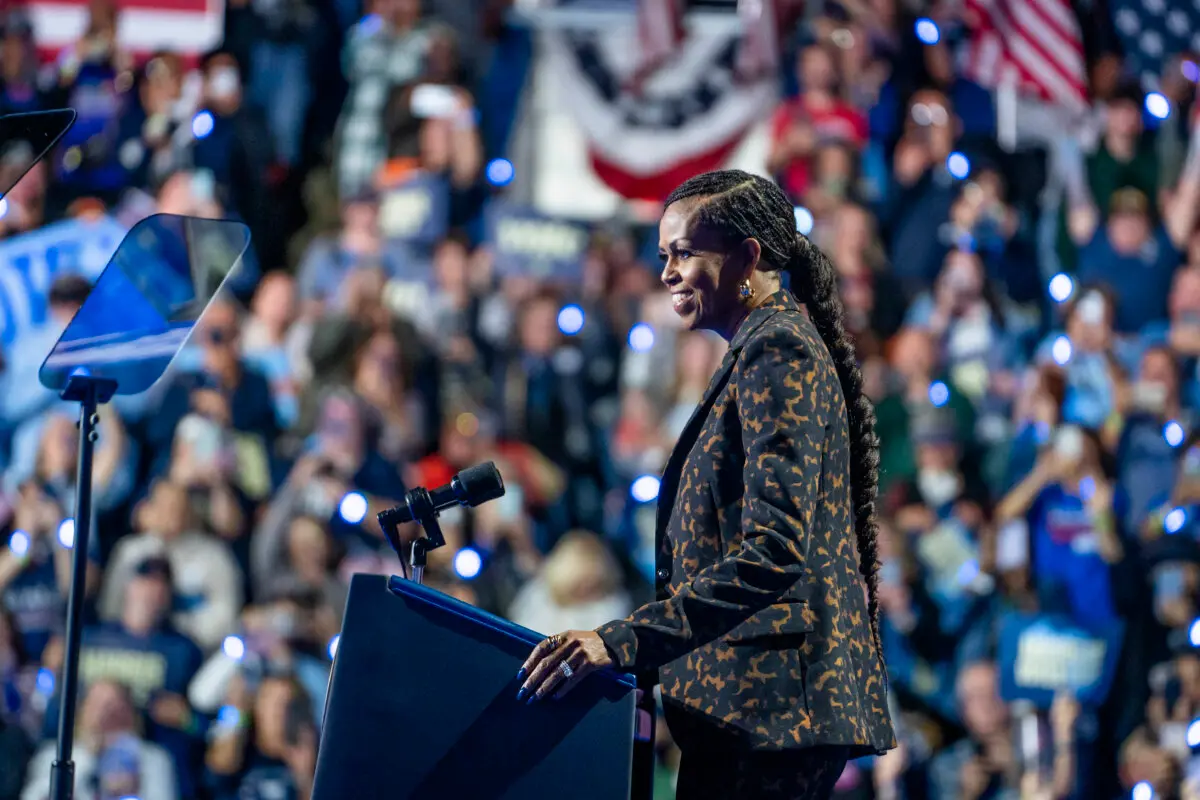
662,575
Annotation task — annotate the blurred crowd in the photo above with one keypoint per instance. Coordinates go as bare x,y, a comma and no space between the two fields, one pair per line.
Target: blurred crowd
1028,320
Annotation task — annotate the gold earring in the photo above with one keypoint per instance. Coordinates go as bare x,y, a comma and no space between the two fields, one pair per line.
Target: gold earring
746,289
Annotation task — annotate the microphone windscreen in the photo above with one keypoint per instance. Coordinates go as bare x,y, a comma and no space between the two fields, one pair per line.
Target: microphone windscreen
480,483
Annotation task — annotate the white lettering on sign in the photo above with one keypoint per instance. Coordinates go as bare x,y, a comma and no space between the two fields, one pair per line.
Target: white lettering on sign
540,238
1051,661
402,213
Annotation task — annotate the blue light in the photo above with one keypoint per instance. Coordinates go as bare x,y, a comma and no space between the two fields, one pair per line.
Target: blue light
500,172
570,320
641,337
1190,70
229,716
45,681
1194,633
1174,521
1087,487
927,31
131,797
353,508
1061,287
369,24
1143,790
645,488
939,394
3,207
467,563
1061,350
1193,733
66,533
333,646
958,165
202,124
18,543
804,220
82,372
1173,433
1158,106
234,647
968,572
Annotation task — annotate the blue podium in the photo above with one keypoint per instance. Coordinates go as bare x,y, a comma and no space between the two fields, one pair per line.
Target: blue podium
423,704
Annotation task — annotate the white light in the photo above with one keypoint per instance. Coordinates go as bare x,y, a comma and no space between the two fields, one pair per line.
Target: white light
1061,287
1194,633
467,563
927,31
939,394
66,533
570,320
234,647
1143,791
645,488
958,165
18,543
45,681
1173,522
1158,106
353,508
1193,733
968,572
130,797
804,220
1173,433
3,207
333,645
641,337
202,124
500,172
1061,350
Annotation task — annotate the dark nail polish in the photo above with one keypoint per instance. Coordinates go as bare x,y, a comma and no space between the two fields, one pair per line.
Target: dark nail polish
521,673
521,695
532,697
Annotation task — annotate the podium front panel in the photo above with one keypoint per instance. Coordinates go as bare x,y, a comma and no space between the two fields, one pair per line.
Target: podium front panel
423,704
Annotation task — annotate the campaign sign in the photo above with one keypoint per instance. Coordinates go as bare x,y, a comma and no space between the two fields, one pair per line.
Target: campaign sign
1044,654
525,242
417,211
29,263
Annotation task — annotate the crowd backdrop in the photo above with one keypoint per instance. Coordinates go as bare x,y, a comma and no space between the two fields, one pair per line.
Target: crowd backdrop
1009,191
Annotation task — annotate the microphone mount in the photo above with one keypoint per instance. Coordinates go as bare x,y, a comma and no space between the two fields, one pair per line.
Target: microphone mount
470,487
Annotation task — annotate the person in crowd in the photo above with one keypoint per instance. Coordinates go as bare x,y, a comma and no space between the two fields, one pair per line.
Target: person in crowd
207,587
578,586
111,757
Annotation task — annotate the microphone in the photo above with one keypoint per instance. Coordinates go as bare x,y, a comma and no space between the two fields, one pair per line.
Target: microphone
471,487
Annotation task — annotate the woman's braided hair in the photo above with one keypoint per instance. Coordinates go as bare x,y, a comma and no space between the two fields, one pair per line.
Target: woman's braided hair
743,206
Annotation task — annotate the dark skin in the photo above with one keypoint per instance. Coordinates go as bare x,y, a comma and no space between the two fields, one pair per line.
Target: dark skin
704,275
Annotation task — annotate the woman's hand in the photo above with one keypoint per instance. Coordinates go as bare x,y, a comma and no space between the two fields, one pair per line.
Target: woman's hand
559,663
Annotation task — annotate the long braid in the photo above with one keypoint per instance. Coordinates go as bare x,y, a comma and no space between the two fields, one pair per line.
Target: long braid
745,206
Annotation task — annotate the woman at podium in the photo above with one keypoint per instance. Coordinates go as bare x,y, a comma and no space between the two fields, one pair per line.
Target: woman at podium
764,636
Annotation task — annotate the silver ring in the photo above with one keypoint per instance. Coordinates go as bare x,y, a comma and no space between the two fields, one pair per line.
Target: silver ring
566,670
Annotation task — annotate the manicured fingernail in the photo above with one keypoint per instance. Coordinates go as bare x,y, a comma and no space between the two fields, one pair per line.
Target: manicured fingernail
521,694
532,698
521,673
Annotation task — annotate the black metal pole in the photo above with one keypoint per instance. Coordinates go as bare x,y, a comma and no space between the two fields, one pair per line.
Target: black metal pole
90,393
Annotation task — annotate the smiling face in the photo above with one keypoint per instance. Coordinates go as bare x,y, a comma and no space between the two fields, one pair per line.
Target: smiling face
702,271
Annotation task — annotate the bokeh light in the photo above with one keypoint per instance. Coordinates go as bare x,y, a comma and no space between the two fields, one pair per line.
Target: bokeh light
1158,106
1061,287
1061,350
645,488
333,646
958,165
66,533
1175,520
18,543
500,172
234,647
1173,433
939,393
804,220
353,508
641,337
927,31
202,124
467,563
570,320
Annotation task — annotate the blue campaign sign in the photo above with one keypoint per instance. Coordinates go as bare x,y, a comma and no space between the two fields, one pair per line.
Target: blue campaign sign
416,212
1043,654
29,263
525,242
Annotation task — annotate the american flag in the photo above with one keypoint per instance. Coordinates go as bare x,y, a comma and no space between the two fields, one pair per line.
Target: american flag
187,27
1153,32
758,54
1034,45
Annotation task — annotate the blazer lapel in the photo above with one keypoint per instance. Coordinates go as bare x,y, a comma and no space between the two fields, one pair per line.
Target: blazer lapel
669,483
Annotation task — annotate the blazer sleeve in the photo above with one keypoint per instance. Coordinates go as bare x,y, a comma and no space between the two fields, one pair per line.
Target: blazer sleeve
778,399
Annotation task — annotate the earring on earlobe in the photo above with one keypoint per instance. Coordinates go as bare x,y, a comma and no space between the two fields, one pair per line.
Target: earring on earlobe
746,289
